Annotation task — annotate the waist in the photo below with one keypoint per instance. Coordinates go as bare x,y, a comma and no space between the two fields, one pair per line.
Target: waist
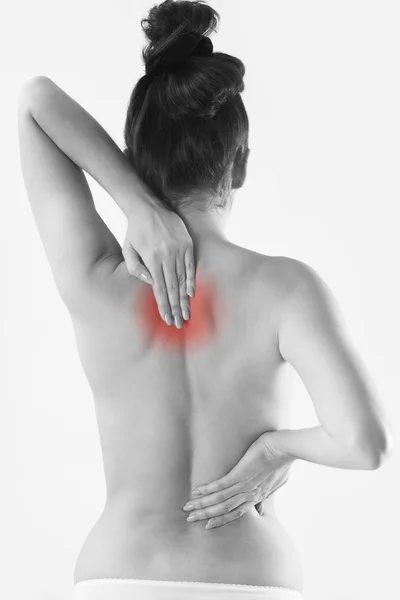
159,544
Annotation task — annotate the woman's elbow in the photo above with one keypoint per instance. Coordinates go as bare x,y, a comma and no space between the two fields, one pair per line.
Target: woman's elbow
377,450
29,88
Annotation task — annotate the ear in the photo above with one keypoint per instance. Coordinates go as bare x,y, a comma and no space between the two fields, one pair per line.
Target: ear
239,168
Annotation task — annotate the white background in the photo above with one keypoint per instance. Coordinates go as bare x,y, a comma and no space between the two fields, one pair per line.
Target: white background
323,186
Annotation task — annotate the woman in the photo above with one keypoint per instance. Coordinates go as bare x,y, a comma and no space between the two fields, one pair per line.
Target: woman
193,405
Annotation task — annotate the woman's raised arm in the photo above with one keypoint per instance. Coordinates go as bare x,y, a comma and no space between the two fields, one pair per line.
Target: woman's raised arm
156,235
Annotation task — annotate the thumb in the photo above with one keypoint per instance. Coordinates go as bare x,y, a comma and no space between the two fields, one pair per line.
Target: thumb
134,265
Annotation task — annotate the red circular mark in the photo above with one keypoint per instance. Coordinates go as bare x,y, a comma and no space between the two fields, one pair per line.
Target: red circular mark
205,316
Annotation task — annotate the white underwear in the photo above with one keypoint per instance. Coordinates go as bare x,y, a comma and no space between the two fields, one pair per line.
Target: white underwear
143,589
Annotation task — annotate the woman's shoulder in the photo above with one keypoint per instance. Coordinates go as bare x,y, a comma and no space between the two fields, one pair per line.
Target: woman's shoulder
281,273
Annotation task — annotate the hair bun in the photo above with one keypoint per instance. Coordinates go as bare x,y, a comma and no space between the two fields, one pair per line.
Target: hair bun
171,19
189,44
176,27
196,81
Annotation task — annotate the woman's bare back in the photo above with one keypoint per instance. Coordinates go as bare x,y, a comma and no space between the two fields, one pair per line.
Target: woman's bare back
177,408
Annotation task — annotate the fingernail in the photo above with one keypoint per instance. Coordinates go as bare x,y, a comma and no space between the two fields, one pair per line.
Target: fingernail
190,291
191,518
186,313
188,507
196,493
143,276
168,319
178,321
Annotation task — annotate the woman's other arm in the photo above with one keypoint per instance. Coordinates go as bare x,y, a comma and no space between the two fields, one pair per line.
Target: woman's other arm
353,431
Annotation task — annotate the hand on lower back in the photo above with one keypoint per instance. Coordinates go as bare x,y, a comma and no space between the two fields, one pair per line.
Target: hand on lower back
258,474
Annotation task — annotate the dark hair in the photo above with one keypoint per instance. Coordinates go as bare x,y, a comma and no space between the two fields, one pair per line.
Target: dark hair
187,128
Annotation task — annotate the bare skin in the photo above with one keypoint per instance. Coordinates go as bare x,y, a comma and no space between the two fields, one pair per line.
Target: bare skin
170,420
175,418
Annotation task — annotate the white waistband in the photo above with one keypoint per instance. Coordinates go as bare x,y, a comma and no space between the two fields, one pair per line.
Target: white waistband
143,589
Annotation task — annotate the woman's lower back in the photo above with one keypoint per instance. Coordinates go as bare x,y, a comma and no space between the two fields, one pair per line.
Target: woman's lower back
253,550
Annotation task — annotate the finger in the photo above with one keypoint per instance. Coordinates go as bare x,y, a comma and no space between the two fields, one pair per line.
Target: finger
171,282
181,275
134,265
219,484
216,497
190,270
237,513
160,290
220,509
251,486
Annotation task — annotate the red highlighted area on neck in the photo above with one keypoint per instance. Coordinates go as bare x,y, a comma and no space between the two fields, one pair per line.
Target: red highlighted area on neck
205,317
